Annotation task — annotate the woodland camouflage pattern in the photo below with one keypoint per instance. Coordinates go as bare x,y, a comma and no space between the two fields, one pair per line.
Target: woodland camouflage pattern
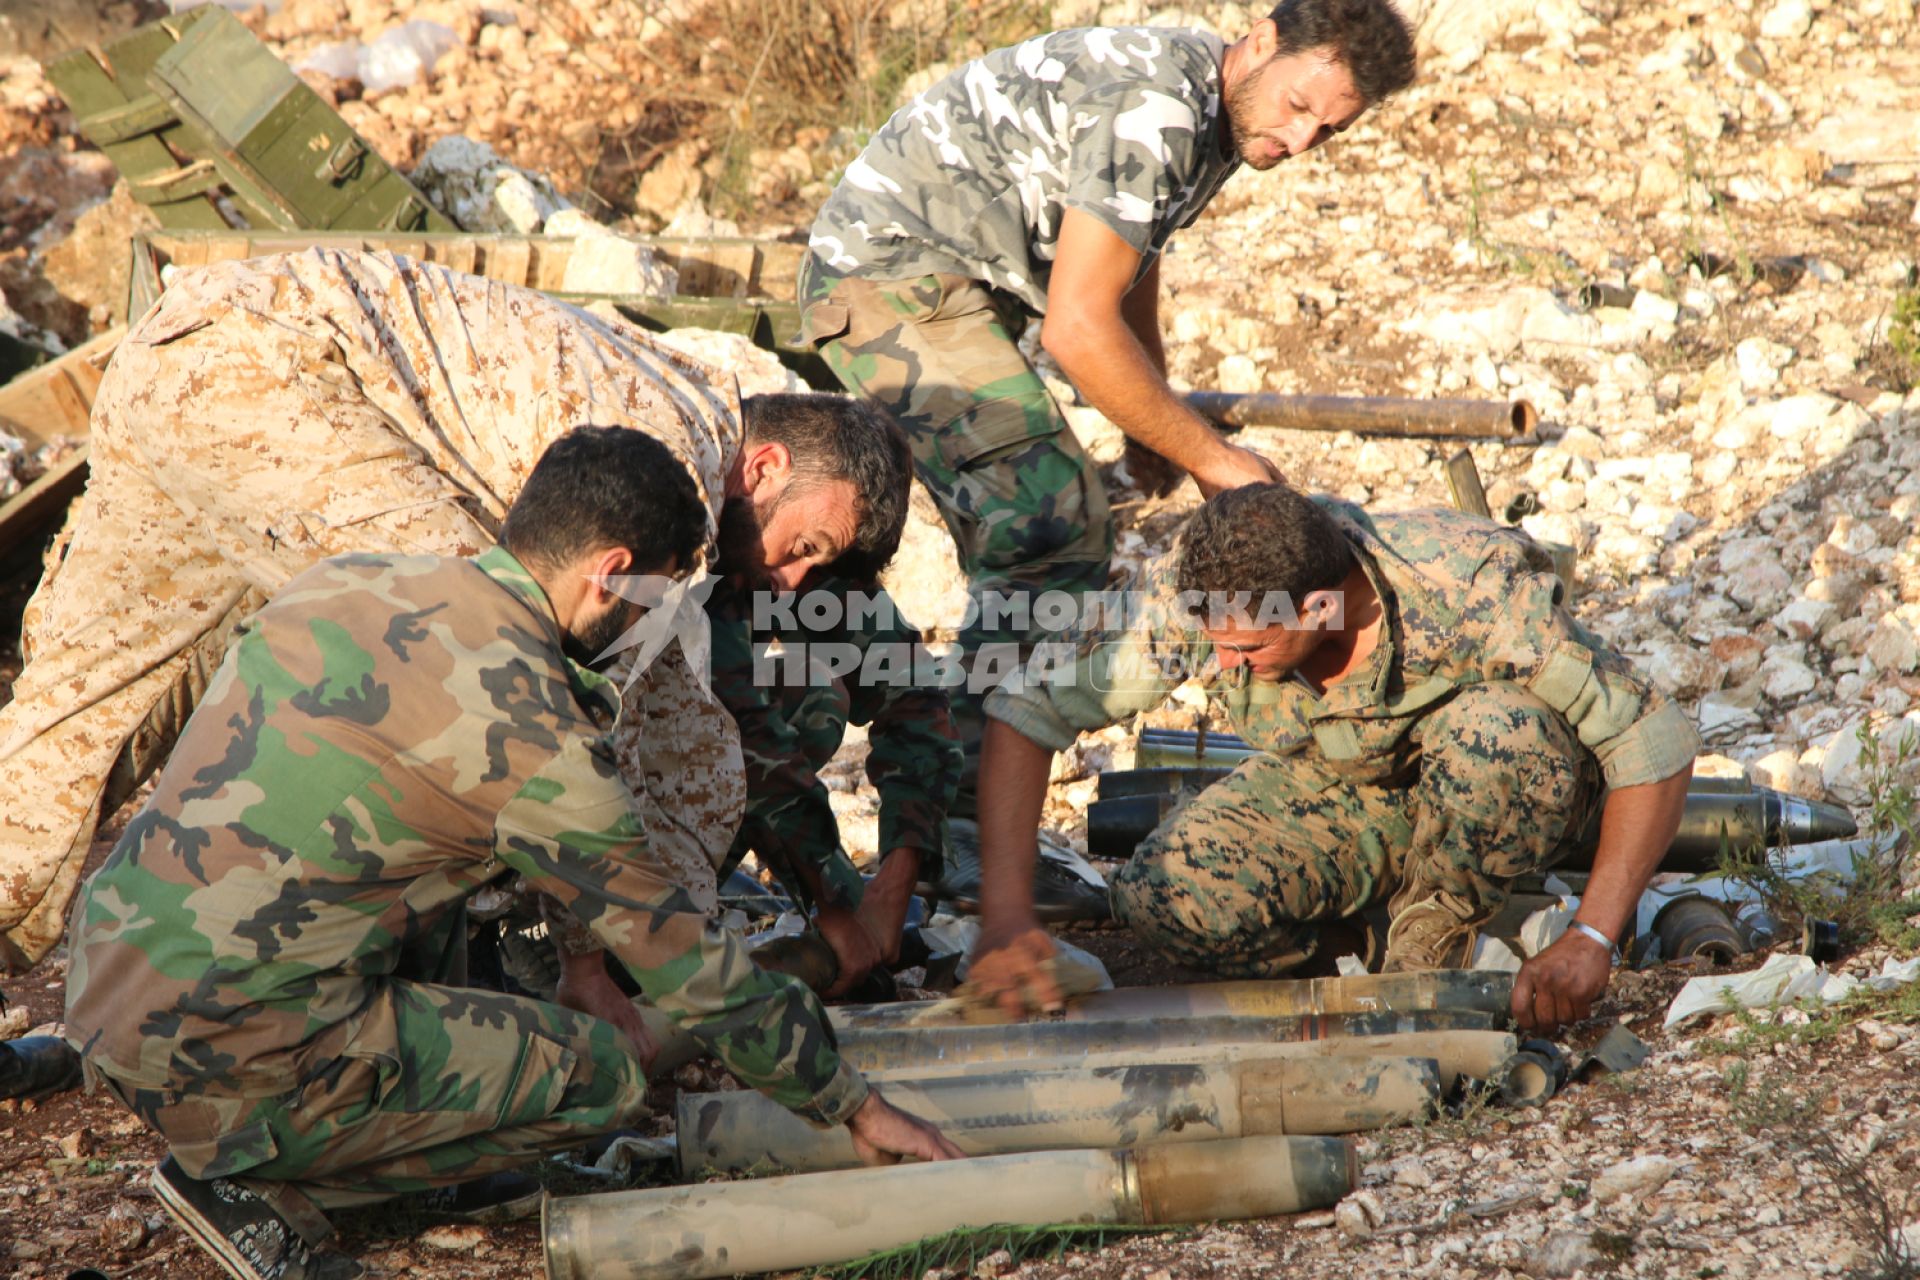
1026,508
1472,747
389,735
789,730
973,176
267,414
938,244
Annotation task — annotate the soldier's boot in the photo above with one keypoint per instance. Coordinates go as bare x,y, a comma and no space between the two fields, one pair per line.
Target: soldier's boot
499,1197
243,1233
1430,930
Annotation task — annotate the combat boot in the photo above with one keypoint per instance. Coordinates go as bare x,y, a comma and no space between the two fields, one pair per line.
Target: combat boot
242,1231
506,1196
1430,929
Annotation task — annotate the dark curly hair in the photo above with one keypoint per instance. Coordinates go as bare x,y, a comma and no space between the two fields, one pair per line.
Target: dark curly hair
1260,539
1369,37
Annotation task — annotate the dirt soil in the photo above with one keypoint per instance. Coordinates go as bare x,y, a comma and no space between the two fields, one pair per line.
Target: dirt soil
1736,456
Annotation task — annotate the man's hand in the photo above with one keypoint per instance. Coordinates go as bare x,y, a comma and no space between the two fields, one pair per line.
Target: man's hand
1009,970
854,947
882,1133
586,987
1234,467
1154,474
1559,986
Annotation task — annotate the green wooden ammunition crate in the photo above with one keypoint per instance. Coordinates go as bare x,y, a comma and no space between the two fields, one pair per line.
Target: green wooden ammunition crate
194,106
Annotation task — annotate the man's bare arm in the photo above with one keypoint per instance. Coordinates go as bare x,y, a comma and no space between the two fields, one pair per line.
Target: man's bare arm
1092,328
1007,960
1559,985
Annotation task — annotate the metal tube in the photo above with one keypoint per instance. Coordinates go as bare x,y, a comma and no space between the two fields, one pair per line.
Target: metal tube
1459,1055
1473,989
1717,810
1073,1108
1698,926
811,1220
933,1048
1368,415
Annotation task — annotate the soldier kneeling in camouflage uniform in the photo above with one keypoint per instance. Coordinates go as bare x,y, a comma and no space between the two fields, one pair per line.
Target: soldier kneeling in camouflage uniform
266,969
1433,723
266,414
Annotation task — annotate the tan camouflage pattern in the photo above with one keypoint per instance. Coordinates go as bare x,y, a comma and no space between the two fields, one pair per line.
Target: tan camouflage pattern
266,414
1470,750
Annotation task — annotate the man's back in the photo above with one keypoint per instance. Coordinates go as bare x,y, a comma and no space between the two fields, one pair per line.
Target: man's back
972,177
334,797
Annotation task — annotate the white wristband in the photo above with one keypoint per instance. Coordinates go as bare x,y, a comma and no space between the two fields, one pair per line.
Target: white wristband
1613,948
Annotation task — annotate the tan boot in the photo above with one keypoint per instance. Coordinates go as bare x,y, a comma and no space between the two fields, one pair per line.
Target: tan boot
1430,929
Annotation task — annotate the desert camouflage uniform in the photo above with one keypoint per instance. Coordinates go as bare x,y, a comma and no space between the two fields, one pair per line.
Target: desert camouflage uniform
1471,749
253,966
937,246
266,414
792,723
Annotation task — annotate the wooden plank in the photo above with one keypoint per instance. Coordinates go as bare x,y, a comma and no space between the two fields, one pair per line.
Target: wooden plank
508,260
170,186
778,274
455,255
55,399
550,258
141,115
41,502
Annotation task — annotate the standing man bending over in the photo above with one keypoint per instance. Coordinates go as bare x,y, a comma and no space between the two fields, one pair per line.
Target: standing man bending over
1045,180
266,968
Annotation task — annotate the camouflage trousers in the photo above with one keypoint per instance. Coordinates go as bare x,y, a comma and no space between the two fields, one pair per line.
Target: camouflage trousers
224,461
817,715
1240,879
437,1085
1025,505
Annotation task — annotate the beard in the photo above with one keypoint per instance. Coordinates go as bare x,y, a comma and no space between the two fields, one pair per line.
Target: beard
1247,142
742,553
585,644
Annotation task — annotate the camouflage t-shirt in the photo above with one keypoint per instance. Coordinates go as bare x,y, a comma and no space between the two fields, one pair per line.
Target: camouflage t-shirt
390,734
973,176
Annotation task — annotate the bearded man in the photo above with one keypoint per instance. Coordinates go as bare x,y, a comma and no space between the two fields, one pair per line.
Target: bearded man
1046,180
269,413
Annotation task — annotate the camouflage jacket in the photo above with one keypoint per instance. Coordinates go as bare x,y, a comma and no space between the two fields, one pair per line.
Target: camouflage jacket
913,759
1465,601
387,736
479,377
972,177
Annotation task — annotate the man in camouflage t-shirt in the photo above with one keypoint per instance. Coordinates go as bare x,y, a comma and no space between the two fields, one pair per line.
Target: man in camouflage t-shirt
267,968
1045,179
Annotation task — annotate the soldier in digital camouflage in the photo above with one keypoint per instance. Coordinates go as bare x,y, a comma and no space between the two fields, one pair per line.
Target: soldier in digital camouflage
1046,180
267,969
851,663
268,413
1431,723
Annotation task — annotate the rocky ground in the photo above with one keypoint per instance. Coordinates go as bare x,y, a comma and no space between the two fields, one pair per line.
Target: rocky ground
1729,437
